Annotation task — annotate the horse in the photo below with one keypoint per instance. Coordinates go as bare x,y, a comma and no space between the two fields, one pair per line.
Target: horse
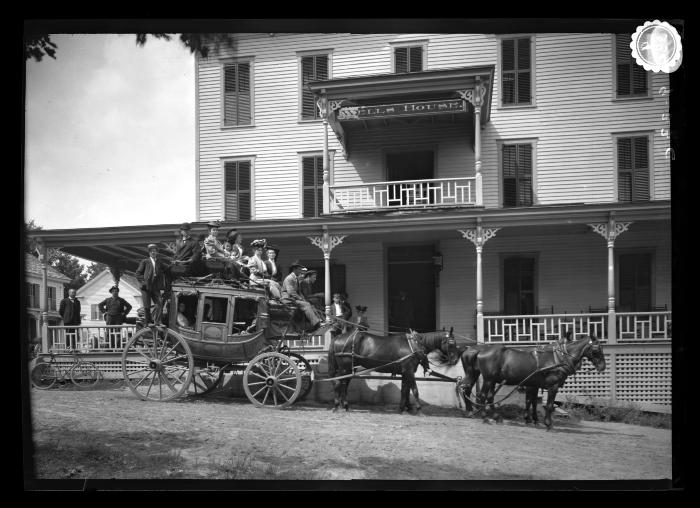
393,354
546,368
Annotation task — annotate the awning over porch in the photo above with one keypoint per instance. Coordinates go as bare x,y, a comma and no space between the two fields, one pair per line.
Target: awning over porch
447,95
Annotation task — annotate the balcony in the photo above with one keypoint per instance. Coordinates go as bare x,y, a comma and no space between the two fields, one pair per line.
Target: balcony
404,194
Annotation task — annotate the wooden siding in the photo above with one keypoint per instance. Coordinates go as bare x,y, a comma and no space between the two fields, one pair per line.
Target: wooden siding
573,120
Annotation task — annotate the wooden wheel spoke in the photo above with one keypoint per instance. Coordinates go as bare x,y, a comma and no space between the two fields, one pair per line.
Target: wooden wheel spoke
256,383
180,357
282,394
287,387
274,395
256,393
289,366
170,385
165,355
151,385
251,373
267,393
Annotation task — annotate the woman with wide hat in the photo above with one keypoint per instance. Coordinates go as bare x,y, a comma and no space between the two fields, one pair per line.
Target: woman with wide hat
256,264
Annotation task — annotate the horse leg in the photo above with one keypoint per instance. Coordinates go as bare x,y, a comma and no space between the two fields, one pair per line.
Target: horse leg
346,383
484,397
551,395
403,402
336,394
492,395
414,389
531,402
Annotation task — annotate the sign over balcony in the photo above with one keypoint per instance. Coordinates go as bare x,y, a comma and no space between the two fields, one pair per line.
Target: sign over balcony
449,106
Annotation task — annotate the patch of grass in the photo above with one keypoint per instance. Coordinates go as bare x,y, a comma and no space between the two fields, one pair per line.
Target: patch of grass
608,413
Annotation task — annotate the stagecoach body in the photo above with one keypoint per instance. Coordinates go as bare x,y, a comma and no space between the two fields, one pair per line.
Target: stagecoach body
228,328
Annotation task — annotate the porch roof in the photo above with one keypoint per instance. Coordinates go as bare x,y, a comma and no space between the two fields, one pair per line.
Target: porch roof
126,246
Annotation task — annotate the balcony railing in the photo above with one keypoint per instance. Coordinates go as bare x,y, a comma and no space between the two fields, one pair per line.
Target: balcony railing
631,327
403,194
90,338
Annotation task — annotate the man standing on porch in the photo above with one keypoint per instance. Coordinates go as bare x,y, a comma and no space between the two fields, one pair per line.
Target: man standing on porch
114,308
69,310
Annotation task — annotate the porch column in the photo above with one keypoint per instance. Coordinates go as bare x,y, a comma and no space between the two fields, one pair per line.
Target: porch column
44,294
327,242
323,109
610,231
479,236
479,92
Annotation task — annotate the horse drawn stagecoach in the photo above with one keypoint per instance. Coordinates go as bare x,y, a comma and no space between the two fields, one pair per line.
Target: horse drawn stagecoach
214,327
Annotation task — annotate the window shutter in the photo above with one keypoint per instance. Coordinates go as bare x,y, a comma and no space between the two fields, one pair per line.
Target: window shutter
415,55
624,169
525,175
401,60
244,102
313,68
237,95
509,176
640,191
631,78
230,100
312,180
237,184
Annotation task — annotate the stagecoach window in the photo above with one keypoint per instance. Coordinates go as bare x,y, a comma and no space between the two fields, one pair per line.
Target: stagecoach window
187,307
215,309
245,311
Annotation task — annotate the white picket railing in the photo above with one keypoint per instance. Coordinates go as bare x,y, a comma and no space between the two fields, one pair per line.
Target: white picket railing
631,327
106,338
403,194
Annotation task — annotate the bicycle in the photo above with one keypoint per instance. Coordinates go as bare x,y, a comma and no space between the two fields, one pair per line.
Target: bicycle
81,373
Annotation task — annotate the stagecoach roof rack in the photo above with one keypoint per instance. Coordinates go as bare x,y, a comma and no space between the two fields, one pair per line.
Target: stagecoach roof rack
209,282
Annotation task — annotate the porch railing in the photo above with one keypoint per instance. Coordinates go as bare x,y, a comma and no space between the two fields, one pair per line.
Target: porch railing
106,338
631,327
403,194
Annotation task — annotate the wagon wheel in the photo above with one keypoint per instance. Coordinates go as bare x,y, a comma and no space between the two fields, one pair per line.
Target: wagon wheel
84,375
157,364
307,375
272,380
205,380
43,376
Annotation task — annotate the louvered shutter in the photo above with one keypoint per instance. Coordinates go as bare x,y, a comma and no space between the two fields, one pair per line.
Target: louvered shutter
508,74
244,201
237,95
631,77
415,58
510,197
640,176
313,68
310,192
624,169
230,98
400,60
523,76
524,175
244,94
237,190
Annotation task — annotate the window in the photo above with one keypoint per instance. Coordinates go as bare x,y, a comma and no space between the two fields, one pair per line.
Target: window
237,94
312,199
631,77
52,298
633,168
519,285
215,309
516,162
245,312
33,295
516,71
237,194
635,282
313,68
95,313
186,311
408,59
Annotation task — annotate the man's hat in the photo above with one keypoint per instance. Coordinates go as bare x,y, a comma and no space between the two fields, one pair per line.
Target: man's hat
269,246
113,288
309,273
296,264
152,246
185,226
258,244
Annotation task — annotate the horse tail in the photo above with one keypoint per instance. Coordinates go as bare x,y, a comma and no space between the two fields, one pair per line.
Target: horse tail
332,363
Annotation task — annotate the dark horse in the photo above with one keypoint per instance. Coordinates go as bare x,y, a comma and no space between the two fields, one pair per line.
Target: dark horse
398,353
533,369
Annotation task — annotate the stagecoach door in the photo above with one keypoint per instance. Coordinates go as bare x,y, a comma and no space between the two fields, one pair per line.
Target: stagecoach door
410,269
213,313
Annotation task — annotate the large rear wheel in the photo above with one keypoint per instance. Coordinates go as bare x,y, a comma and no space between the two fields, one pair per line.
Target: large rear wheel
157,364
307,374
272,380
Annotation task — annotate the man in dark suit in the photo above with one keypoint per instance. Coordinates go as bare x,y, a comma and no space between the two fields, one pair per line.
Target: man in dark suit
152,274
69,309
185,246
115,308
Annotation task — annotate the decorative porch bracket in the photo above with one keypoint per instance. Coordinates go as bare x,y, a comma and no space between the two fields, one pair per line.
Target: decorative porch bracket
327,242
610,231
479,236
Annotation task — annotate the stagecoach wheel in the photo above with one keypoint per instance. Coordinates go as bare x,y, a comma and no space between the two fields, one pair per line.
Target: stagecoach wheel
272,380
205,380
43,376
84,375
307,375
157,364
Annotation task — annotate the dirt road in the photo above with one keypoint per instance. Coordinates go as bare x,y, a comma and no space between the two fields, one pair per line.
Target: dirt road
112,434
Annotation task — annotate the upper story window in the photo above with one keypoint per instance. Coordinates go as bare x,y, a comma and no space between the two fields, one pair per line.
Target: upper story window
631,78
633,168
516,163
516,71
408,59
237,107
33,295
312,181
237,190
52,298
313,68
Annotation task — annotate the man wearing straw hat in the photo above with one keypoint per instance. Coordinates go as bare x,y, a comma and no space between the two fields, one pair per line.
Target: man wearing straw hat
291,293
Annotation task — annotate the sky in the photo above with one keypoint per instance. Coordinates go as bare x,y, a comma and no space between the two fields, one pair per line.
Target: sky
109,133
